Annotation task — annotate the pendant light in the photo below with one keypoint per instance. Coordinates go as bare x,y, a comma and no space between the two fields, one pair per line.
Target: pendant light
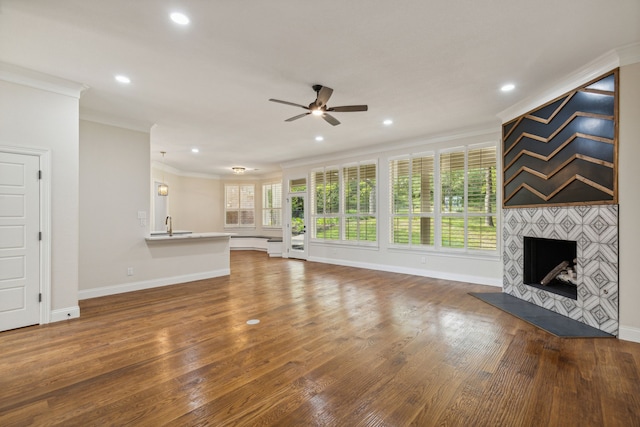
163,189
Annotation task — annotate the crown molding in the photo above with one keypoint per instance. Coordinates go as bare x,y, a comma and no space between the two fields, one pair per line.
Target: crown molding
629,54
615,58
120,122
35,79
178,172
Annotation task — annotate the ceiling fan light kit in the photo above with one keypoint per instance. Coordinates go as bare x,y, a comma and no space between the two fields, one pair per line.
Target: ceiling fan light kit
319,106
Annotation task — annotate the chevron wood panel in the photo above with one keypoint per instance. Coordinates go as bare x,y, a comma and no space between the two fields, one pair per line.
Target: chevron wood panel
564,152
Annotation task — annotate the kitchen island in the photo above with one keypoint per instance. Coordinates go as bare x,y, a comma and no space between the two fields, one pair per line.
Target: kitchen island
186,256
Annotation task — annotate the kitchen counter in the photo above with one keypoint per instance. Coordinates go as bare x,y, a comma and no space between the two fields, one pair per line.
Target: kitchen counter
186,235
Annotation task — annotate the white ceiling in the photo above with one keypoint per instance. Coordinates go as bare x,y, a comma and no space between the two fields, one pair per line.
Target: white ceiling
434,67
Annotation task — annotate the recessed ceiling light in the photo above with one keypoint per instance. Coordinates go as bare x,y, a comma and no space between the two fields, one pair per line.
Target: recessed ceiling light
195,150
319,138
179,18
387,122
508,87
123,79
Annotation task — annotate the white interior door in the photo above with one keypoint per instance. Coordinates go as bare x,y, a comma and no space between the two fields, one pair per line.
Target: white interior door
19,241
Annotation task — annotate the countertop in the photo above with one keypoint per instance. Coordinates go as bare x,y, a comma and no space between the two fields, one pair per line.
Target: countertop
181,235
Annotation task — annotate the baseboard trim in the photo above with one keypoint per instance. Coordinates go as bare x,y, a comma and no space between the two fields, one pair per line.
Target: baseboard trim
65,314
629,333
248,248
413,271
148,284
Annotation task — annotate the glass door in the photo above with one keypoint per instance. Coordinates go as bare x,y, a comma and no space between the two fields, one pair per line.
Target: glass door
297,226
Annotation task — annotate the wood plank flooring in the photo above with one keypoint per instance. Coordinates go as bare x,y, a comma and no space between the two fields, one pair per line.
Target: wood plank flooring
335,346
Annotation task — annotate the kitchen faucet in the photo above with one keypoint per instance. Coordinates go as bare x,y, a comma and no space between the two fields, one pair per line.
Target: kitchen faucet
169,225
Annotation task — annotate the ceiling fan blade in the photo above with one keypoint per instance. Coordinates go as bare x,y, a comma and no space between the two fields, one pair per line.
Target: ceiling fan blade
289,103
330,119
323,96
299,116
346,108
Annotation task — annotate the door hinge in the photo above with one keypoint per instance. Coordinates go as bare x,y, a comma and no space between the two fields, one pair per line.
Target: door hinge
39,174
40,297
39,235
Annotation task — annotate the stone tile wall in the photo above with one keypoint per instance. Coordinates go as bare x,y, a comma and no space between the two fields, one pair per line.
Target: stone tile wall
595,229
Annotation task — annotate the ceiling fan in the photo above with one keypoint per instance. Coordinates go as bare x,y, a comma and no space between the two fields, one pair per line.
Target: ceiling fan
319,106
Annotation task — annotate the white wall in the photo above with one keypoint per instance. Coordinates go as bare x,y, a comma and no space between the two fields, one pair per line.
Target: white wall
115,176
200,204
475,268
114,187
194,203
33,117
629,198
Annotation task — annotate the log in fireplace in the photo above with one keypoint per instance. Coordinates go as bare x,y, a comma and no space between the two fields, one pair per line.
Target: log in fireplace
551,265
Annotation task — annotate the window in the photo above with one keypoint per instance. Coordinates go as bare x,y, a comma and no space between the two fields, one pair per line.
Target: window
481,199
360,202
239,205
412,216
326,204
468,198
298,185
344,204
272,205
452,186
448,203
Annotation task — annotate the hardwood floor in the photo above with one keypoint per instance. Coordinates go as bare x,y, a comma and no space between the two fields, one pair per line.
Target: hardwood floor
335,346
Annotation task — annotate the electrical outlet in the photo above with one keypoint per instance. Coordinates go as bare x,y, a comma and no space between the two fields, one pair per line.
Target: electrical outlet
130,271
423,260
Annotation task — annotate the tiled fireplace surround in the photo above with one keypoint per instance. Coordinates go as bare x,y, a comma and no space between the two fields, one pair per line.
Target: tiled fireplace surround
595,229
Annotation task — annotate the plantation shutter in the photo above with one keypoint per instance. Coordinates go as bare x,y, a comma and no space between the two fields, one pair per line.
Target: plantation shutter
481,198
317,190
368,189
452,186
247,205
232,205
351,189
272,205
452,182
332,191
399,189
422,225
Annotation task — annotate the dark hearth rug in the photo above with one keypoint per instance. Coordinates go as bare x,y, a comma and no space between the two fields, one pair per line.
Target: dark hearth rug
554,323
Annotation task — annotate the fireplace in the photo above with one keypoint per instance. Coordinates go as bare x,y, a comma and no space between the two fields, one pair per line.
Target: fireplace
551,265
594,231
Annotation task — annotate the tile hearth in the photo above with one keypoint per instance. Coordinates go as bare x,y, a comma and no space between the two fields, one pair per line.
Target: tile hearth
595,229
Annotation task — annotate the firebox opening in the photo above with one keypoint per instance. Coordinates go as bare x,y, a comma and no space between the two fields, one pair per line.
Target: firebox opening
550,264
